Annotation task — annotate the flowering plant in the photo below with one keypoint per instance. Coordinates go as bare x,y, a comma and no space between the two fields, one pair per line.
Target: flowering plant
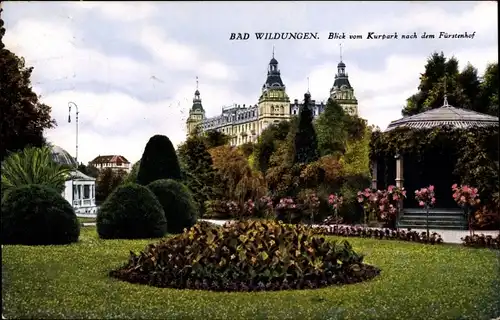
467,198
369,200
233,208
286,206
389,203
335,201
311,204
248,208
426,198
265,206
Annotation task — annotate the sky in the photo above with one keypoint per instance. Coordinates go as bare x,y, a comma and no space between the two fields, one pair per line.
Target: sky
131,67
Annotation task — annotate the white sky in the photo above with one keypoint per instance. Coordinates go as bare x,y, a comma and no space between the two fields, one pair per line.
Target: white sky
131,67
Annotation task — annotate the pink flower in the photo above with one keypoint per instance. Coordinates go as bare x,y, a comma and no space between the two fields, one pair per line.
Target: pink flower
390,188
475,190
433,200
395,197
431,188
424,190
421,203
462,198
454,186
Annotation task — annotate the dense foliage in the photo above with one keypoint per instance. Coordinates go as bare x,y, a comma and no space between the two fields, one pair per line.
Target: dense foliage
107,181
237,180
131,212
305,142
482,241
89,170
464,89
33,166
38,215
24,117
246,256
214,138
268,142
159,161
382,234
468,157
131,177
199,174
177,202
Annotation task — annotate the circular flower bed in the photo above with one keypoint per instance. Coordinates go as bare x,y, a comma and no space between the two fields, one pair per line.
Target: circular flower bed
246,256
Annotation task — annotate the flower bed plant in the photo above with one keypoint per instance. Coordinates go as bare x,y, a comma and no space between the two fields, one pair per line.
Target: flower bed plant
246,256
482,241
386,234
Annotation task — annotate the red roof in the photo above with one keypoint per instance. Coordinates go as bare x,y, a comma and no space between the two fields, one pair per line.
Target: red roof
116,159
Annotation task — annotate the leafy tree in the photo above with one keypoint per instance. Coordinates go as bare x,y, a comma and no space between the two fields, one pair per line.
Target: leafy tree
355,160
214,138
107,181
89,170
198,167
237,180
131,177
159,161
33,166
268,140
247,148
24,117
488,97
306,145
463,89
331,129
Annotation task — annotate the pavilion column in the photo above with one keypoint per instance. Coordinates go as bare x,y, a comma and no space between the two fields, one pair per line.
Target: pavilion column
374,174
399,171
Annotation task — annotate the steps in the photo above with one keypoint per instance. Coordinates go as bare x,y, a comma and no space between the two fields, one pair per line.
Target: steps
447,219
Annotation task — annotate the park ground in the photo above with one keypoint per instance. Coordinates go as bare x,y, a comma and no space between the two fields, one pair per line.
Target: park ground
417,282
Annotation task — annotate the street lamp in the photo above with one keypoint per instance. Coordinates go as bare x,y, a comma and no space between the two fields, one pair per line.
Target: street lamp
69,120
76,154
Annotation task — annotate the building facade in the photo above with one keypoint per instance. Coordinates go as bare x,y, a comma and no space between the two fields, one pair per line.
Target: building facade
244,123
114,162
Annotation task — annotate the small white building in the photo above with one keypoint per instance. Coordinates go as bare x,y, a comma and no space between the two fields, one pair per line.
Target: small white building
79,189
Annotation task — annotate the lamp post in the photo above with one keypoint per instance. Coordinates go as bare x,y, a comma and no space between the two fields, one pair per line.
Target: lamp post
76,154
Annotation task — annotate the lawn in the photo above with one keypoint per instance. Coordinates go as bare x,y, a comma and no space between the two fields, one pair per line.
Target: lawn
417,282
86,219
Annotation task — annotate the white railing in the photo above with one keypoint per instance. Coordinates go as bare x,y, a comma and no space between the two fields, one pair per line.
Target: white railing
82,202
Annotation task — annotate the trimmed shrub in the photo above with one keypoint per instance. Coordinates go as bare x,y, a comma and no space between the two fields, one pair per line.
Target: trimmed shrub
131,212
38,215
246,256
177,202
159,161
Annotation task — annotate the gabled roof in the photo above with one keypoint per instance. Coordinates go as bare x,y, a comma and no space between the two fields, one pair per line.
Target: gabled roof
77,175
109,159
445,115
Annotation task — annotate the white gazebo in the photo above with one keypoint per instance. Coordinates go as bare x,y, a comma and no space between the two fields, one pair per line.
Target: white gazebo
79,189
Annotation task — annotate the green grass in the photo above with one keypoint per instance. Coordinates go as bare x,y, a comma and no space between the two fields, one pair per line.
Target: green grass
417,282
85,219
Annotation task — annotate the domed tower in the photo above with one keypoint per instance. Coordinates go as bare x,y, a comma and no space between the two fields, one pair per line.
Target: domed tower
342,91
274,103
196,113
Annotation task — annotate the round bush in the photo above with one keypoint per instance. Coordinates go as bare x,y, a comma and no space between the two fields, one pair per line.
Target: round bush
131,212
177,202
38,215
246,256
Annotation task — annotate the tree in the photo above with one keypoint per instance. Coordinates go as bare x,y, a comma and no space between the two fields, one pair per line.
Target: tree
198,167
487,101
330,128
107,181
237,180
131,177
89,170
33,166
355,160
24,117
463,89
306,145
214,138
159,161
268,140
